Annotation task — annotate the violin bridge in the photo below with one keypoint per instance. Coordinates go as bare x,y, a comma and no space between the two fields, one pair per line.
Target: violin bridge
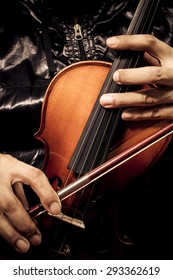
70,220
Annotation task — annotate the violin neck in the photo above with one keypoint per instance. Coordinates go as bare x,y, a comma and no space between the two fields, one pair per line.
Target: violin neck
143,19
142,23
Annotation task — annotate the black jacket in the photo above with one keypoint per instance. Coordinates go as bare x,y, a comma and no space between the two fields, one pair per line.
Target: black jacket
27,66
37,40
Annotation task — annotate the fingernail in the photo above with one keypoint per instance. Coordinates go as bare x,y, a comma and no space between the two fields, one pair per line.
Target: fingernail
112,41
126,115
116,76
55,208
22,246
106,100
35,239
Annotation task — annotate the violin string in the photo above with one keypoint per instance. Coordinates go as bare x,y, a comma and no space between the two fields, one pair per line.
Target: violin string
98,150
106,90
136,27
94,136
110,83
97,109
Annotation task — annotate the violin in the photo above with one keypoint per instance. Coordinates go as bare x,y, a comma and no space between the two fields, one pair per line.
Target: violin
91,154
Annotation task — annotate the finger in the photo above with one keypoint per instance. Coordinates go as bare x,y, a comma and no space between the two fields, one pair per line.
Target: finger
17,215
140,42
141,98
144,75
156,113
40,184
19,192
13,209
10,234
29,175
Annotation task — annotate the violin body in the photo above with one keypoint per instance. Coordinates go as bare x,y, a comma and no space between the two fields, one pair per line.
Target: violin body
68,103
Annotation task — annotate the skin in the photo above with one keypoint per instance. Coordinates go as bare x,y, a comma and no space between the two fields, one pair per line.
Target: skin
15,224
145,104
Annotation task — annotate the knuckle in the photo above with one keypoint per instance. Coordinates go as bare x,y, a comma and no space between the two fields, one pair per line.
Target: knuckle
155,113
5,158
151,39
36,174
148,99
8,205
28,228
158,76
